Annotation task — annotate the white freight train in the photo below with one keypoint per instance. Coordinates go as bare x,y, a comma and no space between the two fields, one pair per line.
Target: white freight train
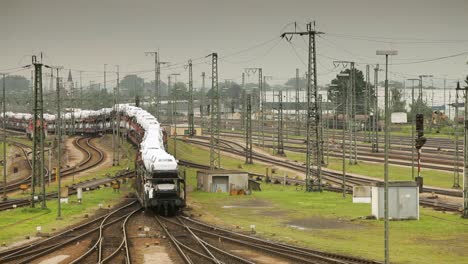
158,184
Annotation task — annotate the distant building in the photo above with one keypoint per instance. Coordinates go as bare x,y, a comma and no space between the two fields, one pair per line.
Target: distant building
68,85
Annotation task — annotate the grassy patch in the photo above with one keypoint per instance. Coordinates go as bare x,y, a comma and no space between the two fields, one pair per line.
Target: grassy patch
396,173
101,173
435,238
18,223
196,154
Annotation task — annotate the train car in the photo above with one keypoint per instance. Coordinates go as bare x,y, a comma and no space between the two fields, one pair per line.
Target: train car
158,183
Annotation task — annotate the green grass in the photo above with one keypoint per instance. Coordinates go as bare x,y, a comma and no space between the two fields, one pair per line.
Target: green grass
396,173
196,154
18,223
435,238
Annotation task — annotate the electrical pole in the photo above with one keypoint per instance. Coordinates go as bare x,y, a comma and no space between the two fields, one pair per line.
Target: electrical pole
118,116
171,117
202,104
248,130
263,109
387,143
38,135
215,155
344,114
367,105
351,103
297,106
465,153
260,121
280,150
114,126
105,78
243,100
4,139
190,103
81,91
314,136
59,138
456,173
156,82
413,117
174,110
375,145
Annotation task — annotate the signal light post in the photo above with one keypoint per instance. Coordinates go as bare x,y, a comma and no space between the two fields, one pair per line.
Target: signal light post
420,141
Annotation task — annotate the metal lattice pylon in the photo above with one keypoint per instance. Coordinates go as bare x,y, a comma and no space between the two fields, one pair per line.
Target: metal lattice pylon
190,103
248,130
38,135
314,136
215,156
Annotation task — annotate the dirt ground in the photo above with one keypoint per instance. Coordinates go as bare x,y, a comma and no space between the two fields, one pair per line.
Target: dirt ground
152,247
16,159
75,156
321,223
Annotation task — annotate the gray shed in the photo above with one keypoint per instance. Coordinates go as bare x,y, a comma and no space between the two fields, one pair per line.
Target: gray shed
222,180
403,200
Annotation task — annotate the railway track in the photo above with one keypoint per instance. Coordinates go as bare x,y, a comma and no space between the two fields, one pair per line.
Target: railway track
333,180
433,158
240,150
93,157
199,242
99,234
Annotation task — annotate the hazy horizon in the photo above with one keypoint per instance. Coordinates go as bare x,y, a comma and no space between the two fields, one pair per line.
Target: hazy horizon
85,35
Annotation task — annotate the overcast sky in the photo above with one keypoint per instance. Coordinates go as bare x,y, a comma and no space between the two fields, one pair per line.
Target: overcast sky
86,34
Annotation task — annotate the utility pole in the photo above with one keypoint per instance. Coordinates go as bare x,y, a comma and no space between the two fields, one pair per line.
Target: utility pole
243,100
248,130
387,143
105,78
81,91
351,103
59,154
156,82
202,101
215,155
344,114
367,104
375,145
456,173
117,93
261,102
190,103
314,136
263,110
114,127
280,150
174,111
38,136
465,153
297,106
171,117
4,138
413,117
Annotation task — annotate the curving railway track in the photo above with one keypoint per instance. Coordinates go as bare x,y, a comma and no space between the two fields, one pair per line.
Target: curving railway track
333,180
437,158
93,157
105,237
198,242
